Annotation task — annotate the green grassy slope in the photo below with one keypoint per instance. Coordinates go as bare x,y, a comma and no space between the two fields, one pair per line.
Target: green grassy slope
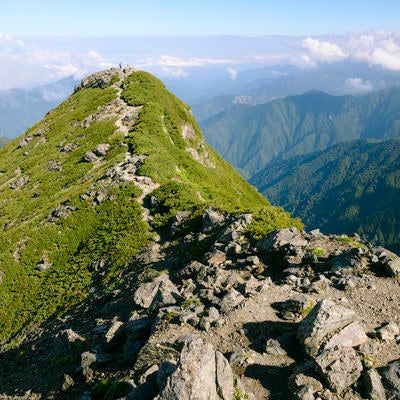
349,187
47,173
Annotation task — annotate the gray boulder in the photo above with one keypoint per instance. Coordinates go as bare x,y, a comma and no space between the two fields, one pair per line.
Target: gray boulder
372,385
201,374
101,149
212,219
340,367
158,293
324,319
280,239
89,157
391,380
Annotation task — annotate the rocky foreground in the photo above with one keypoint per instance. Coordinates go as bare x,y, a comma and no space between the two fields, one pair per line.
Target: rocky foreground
296,315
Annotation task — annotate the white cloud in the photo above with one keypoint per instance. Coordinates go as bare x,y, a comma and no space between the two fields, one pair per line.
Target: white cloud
359,85
233,73
174,72
23,65
323,51
171,61
377,49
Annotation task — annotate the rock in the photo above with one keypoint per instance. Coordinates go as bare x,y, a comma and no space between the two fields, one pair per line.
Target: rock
231,300
179,219
302,380
391,379
278,240
388,331
165,369
114,335
191,270
216,258
350,336
386,261
101,149
21,182
69,148
212,219
88,359
325,318
200,374
393,267
138,328
44,264
303,393
156,293
62,211
369,353
372,385
25,141
153,354
340,367
299,305
67,383
233,232
70,336
89,157
54,165
273,347
224,377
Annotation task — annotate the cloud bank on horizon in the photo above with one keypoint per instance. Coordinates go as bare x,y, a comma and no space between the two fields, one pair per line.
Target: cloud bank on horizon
29,62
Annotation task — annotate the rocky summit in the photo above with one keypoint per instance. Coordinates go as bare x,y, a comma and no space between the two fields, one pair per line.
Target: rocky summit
137,264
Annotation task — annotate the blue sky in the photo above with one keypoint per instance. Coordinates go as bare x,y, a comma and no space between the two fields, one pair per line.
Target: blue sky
43,41
205,17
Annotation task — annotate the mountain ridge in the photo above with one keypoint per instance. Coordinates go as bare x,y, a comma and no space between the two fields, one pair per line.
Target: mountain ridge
300,124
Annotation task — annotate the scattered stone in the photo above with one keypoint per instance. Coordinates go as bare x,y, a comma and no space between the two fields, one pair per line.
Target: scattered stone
89,157
372,385
325,318
231,300
44,264
69,148
158,293
212,219
54,165
274,348
278,240
67,383
101,149
391,379
340,367
201,374
25,141
216,258
88,359
351,336
62,211
388,331
21,182
224,377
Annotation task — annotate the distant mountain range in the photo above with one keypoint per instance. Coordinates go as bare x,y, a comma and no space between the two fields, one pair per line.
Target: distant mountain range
349,187
265,84
250,137
21,108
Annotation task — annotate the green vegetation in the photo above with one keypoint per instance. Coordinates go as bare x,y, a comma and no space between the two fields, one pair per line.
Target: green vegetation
113,231
250,137
350,187
109,232
318,252
270,219
349,240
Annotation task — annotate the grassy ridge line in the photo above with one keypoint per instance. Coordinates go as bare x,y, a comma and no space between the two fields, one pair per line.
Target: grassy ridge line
114,230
